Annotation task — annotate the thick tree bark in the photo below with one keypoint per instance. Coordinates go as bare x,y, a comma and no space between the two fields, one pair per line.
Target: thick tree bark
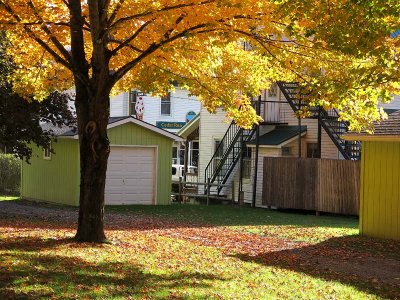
92,103
94,151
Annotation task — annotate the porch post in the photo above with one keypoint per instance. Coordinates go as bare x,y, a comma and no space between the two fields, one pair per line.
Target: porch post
185,159
319,132
253,202
299,125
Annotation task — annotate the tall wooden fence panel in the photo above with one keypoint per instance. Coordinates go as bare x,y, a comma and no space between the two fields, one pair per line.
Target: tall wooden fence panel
325,185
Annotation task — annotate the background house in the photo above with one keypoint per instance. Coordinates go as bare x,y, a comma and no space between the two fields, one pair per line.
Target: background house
281,134
380,179
170,113
138,172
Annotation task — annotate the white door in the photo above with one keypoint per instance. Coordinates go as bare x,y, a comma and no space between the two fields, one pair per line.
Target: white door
130,176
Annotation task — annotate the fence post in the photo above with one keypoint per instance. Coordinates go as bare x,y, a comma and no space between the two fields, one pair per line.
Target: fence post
208,191
233,193
180,190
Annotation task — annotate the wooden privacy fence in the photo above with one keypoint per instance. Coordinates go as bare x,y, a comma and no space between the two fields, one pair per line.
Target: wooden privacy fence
325,185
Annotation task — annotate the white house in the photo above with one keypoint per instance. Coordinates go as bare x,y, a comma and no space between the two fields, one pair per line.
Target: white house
171,113
280,134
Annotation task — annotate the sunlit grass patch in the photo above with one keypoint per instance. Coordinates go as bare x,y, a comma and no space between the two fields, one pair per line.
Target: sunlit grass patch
6,198
156,254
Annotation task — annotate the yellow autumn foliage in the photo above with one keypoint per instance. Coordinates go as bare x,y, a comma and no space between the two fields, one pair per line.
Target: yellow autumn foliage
223,51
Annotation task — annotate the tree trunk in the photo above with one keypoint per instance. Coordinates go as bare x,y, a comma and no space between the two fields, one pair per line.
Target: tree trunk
93,114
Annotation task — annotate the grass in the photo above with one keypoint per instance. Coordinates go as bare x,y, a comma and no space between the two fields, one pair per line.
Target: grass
295,226
6,198
190,252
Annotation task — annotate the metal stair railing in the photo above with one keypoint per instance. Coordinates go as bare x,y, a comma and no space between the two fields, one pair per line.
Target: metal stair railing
227,154
329,120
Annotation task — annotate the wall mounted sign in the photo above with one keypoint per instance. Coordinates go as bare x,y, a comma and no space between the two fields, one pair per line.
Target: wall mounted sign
190,115
170,125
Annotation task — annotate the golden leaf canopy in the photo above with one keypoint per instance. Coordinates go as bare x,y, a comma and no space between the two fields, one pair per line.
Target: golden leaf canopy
221,50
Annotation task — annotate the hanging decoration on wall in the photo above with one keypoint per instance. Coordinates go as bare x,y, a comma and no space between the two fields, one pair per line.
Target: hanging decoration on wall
139,107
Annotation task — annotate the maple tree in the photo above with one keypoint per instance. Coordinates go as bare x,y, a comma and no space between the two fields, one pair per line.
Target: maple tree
107,46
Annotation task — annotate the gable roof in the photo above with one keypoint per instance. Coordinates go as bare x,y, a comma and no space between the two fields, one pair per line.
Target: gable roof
282,134
189,127
385,130
66,131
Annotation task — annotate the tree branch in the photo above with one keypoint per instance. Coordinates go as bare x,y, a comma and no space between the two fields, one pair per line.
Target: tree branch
54,40
127,45
115,12
32,35
167,8
152,48
132,37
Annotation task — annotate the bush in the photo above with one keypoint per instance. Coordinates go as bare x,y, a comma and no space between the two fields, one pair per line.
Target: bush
10,174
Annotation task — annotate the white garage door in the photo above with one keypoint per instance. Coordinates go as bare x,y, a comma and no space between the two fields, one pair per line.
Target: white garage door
130,176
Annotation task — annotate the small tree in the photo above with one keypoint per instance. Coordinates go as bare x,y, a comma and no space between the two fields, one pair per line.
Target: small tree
104,45
20,118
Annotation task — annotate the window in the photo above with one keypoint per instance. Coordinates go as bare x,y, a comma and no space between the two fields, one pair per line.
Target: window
313,150
246,163
218,148
132,102
173,171
218,152
194,154
166,105
286,151
174,156
273,90
47,152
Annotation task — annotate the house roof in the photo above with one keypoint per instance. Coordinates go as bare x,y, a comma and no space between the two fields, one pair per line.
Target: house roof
385,130
66,131
189,127
395,34
282,134
59,131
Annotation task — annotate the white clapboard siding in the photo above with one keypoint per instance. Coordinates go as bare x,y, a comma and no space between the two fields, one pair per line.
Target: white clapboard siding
248,184
117,106
395,104
181,104
328,148
212,127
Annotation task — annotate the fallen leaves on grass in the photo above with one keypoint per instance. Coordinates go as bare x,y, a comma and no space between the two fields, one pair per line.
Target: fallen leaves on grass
158,257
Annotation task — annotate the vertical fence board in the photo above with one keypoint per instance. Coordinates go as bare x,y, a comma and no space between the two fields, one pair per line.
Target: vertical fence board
312,184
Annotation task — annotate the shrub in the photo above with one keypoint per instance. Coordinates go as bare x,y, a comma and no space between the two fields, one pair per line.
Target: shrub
10,174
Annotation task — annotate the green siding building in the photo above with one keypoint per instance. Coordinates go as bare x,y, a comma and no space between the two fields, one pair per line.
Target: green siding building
380,179
138,172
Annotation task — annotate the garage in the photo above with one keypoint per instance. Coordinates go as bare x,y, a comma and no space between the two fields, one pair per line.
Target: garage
138,172
130,176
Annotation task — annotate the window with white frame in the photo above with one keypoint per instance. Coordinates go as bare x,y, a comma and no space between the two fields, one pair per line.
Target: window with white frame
166,105
132,102
174,155
47,151
194,153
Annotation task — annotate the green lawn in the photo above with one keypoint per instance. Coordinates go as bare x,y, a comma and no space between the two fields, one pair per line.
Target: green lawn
196,252
299,227
5,198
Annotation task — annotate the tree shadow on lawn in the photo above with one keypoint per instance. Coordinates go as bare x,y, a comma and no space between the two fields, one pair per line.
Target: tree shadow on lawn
26,214
28,274
227,215
370,265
